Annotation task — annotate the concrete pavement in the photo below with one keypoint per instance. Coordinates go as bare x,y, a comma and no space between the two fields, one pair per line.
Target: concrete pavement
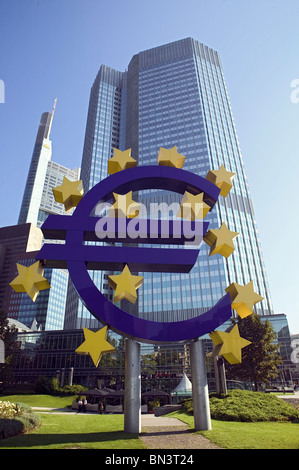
147,420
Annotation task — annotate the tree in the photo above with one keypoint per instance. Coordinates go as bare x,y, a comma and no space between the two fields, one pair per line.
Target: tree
261,358
148,364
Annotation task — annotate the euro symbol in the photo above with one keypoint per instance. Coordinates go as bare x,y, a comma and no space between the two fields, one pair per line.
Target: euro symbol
78,257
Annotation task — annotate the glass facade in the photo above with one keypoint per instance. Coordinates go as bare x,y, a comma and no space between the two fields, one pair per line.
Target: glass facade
183,101
38,202
47,312
104,130
36,175
50,353
171,95
53,178
45,353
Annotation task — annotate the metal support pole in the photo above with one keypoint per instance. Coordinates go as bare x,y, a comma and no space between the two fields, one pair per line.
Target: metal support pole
62,377
200,392
223,376
216,372
70,376
132,418
2,352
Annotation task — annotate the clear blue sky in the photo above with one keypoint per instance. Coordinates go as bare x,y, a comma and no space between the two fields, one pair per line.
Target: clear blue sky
52,48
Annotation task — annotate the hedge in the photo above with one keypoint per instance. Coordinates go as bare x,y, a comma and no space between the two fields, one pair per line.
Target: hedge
247,406
21,420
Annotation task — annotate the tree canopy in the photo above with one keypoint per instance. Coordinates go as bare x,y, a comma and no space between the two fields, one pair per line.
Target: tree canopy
260,360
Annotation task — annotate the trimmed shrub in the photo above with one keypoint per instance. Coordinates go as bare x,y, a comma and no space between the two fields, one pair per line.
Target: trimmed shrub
10,427
51,387
30,421
72,390
16,418
244,405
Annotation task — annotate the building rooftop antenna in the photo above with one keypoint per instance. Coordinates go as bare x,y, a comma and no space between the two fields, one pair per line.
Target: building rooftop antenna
52,115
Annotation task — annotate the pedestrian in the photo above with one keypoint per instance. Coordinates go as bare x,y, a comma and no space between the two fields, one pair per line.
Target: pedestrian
80,405
84,405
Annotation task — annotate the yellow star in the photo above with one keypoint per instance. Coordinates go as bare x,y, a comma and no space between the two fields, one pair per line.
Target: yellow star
125,285
221,241
30,279
124,206
95,344
69,193
229,344
222,178
193,207
243,298
171,157
121,160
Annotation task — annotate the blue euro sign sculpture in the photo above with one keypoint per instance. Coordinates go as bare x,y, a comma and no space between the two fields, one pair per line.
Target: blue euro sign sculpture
78,257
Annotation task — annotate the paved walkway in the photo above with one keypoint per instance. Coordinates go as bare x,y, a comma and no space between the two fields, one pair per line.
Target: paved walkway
159,432
294,396
150,420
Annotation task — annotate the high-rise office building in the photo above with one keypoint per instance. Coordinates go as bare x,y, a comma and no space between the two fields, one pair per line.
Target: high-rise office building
15,240
47,312
171,95
43,175
20,244
103,132
38,202
53,178
41,155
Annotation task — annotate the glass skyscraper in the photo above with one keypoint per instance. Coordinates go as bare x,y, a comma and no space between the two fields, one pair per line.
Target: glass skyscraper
38,202
53,178
43,175
171,95
41,155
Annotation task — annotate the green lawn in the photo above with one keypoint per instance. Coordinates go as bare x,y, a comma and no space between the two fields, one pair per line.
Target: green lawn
262,435
39,400
239,435
71,431
106,431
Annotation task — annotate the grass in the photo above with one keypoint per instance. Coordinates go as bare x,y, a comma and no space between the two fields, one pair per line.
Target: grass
40,400
250,420
68,431
242,435
76,431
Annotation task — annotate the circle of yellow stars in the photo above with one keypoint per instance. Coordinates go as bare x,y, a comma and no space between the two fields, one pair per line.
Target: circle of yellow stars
193,206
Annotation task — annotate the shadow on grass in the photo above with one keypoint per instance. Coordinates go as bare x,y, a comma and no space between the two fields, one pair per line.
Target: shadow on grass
44,440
